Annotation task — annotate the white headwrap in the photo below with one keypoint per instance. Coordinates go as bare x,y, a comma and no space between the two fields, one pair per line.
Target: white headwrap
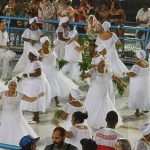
98,59
31,20
145,129
100,48
34,52
106,26
141,54
72,34
63,20
44,39
13,80
76,94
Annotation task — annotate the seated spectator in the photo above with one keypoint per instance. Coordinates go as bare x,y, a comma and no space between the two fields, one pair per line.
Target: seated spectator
10,9
123,144
143,20
28,142
104,12
58,136
106,137
88,144
143,143
75,3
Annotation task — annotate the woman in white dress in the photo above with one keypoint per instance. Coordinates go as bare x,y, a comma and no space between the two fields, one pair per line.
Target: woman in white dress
139,95
31,38
98,102
78,130
74,104
143,143
100,50
60,83
73,54
62,37
34,82
109,40
13,125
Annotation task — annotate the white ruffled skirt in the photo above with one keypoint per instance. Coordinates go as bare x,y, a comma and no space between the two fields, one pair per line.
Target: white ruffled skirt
33,87
60,84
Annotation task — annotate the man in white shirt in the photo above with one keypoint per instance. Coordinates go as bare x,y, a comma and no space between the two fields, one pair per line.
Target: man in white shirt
106,137
143,19
5,54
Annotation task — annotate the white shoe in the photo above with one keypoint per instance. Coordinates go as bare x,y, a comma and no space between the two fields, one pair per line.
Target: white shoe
32,122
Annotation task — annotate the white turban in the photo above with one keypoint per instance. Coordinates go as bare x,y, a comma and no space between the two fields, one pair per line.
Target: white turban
106,26
44,39
63,20
14,79
34,52
141,54
145,129
97,60
76,94
31,20
72,34
100,48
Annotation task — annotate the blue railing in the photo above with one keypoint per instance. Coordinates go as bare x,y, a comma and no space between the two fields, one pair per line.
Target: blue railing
10,147
14,31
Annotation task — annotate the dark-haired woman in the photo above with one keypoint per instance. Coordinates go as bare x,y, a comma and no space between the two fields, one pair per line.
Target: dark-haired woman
79,130
117,17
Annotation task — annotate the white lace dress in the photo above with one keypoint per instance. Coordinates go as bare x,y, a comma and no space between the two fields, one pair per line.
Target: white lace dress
79,134
116,64
139,94
70,110
61,85
32,86
98,102
23,61
13,125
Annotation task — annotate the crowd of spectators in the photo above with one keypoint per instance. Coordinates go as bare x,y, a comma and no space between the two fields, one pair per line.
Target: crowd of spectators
78,10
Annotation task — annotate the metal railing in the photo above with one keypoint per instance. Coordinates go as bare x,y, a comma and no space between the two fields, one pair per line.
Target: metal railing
15,32
10,147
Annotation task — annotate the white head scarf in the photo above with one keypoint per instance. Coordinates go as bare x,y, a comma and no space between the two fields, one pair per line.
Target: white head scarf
13,80
63,20
43,39
31,20
34,52
72,34
106,26
100,48
145,129
76,94
98,59
141,54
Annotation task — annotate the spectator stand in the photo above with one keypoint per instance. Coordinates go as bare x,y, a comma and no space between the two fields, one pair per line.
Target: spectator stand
131,43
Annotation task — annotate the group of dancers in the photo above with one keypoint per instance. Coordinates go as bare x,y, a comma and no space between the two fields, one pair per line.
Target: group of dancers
41,81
